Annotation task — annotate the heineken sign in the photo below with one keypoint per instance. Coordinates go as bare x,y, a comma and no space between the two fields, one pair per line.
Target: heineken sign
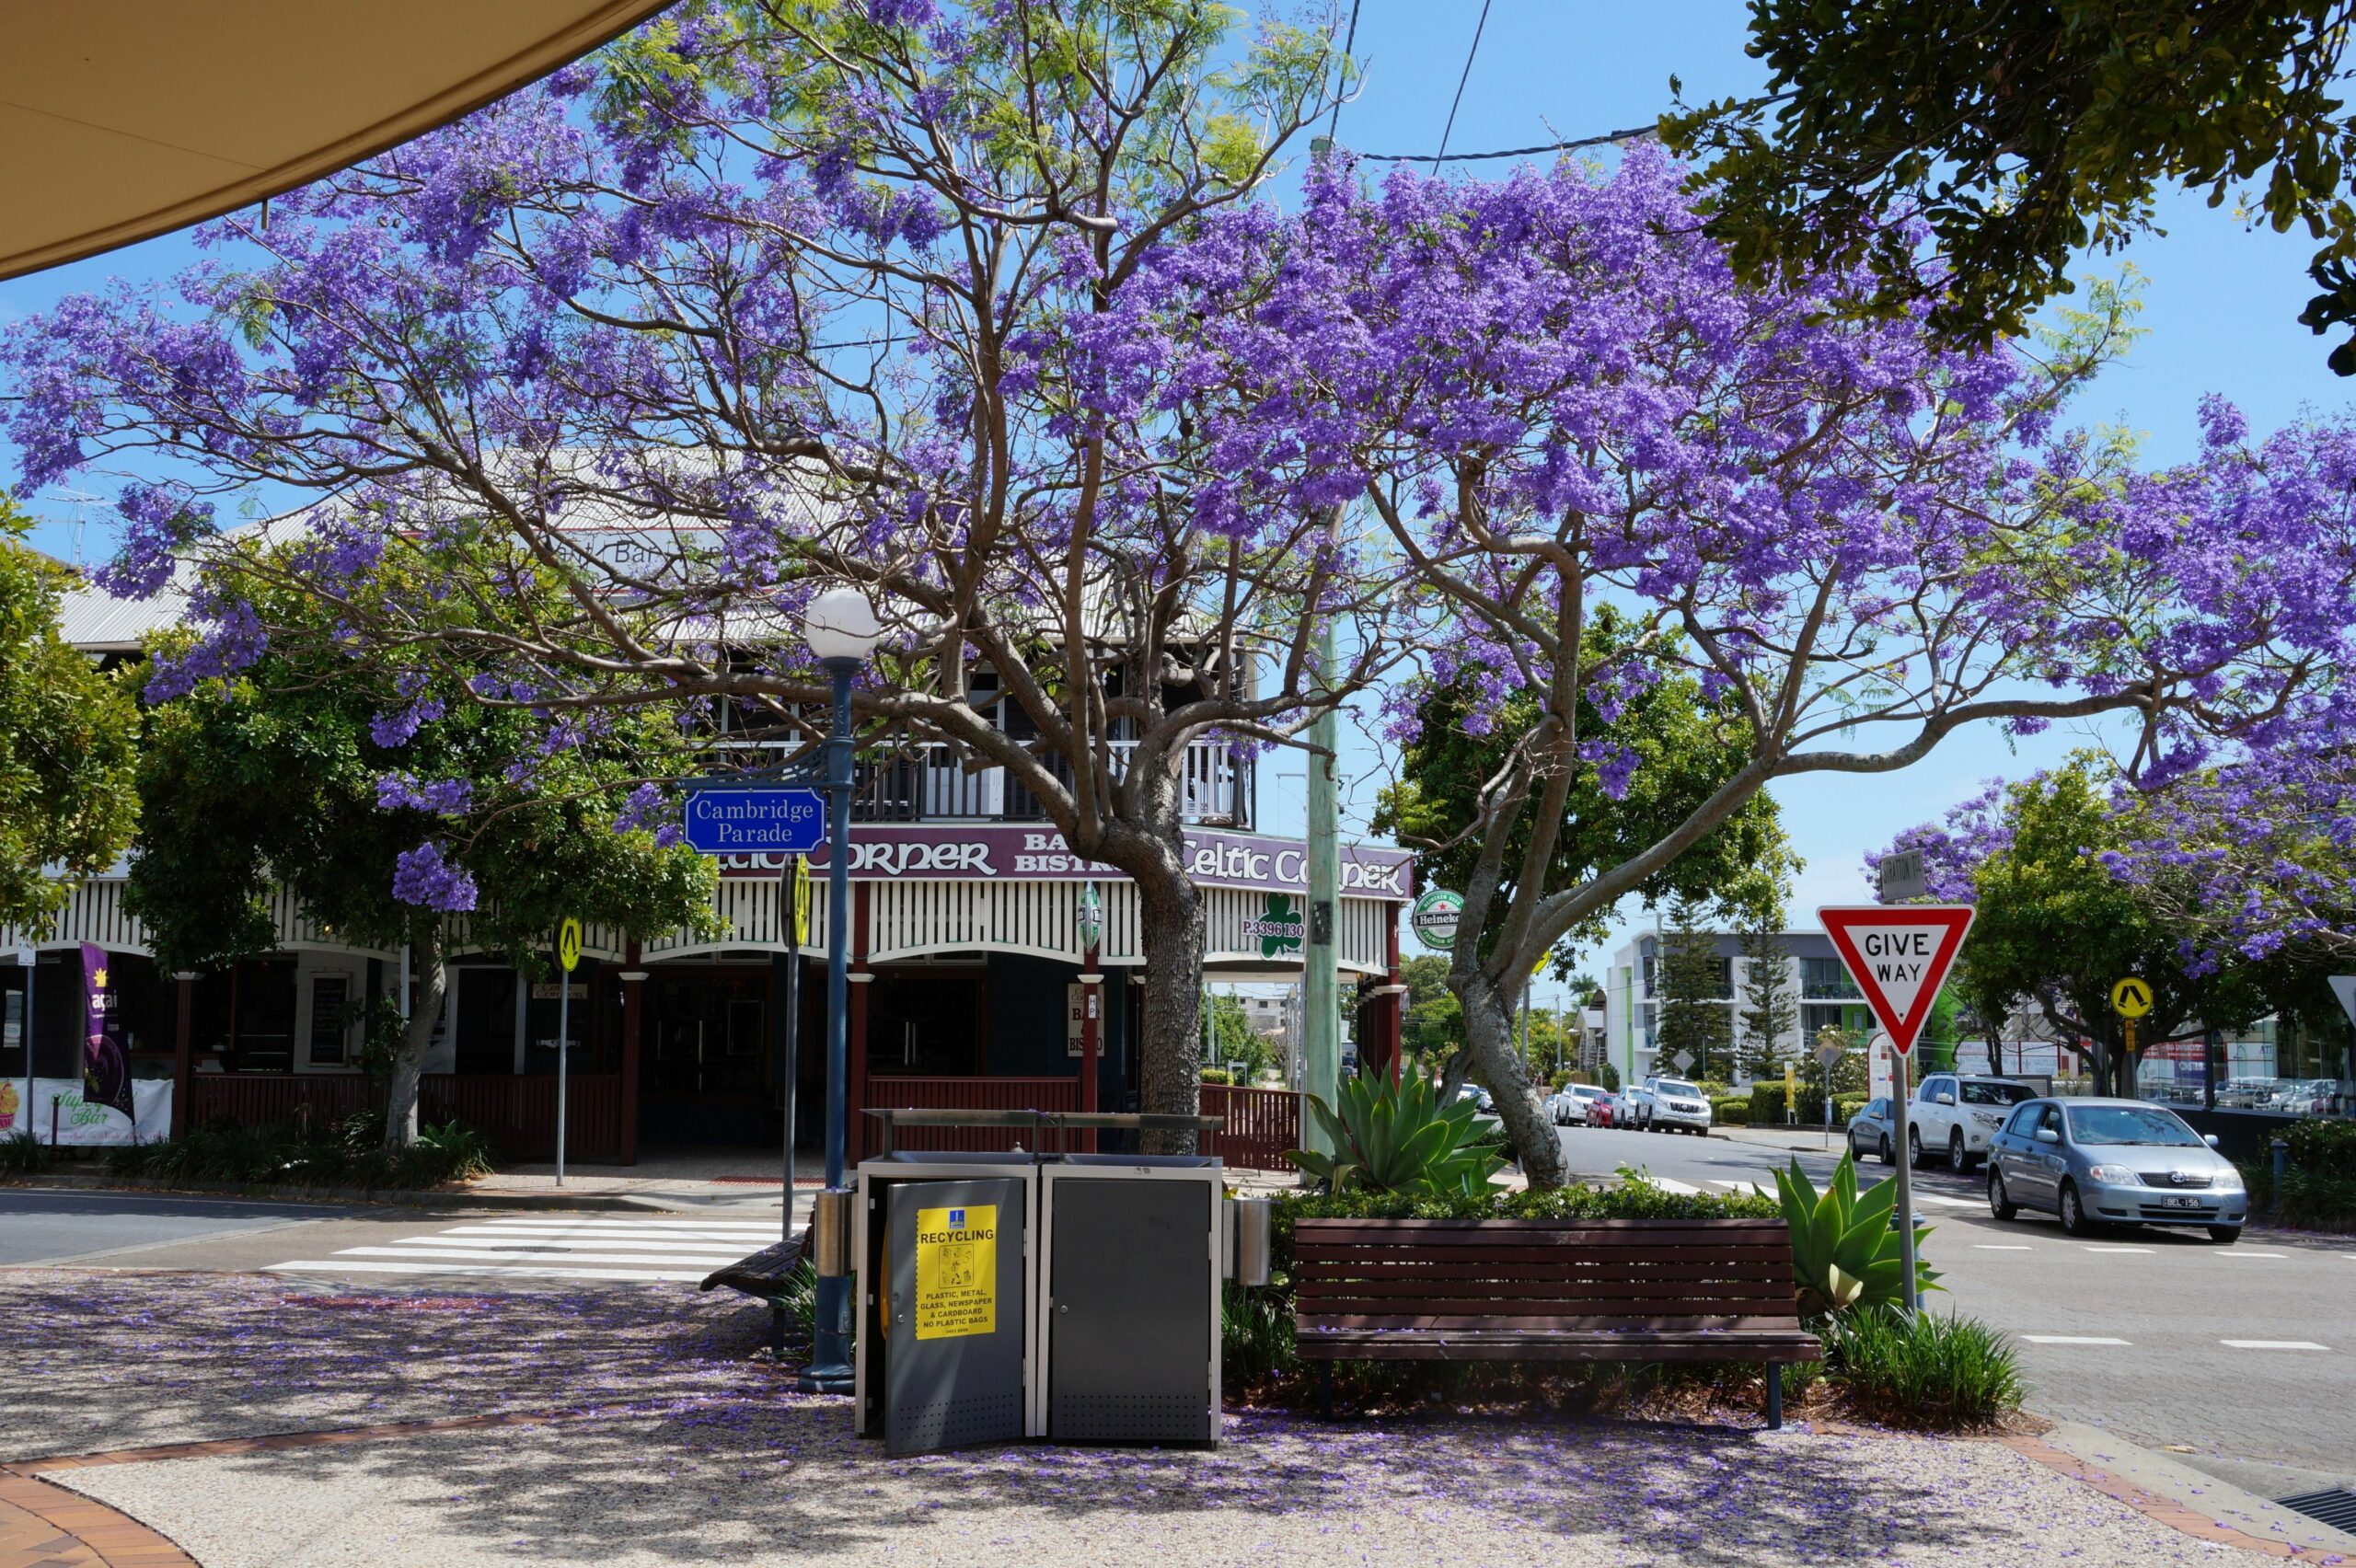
1280,927
1436,917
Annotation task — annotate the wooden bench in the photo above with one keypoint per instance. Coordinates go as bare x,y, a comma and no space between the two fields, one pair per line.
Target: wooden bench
763,1276
1635,1290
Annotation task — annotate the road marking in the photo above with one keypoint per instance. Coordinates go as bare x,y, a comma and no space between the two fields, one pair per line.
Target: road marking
2069,1339
547,1255
2004,1246
650,1250
2274,1344
734,1250
481,1271
1666,1185
2144,1250
1947,1202
2238,1252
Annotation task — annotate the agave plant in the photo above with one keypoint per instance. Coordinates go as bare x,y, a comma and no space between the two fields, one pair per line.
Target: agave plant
1844,1252
1398,1138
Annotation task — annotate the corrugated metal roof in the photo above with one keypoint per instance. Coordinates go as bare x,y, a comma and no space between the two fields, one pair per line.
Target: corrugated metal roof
96,622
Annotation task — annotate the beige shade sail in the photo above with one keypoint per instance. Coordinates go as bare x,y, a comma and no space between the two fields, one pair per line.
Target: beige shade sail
125,119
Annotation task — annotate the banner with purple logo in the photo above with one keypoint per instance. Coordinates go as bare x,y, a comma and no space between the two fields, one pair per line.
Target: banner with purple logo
998,852
106,1063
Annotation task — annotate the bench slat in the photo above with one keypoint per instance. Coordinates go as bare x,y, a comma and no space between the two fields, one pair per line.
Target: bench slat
1459,1263
1587,1258
1535,1227
1552,1290
1542,1239
1634,1308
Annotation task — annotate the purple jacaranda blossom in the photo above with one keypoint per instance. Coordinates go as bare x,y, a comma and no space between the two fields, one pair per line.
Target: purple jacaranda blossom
422,877
446,797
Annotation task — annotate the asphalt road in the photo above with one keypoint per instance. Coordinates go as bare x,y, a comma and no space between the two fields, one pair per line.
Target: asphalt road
2135,1330
358,1243
61,1226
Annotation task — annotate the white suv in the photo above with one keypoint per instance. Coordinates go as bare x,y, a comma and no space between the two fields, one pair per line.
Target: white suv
1675,1106
1957,1113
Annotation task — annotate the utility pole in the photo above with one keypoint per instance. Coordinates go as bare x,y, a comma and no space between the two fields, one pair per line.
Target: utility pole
1321,1010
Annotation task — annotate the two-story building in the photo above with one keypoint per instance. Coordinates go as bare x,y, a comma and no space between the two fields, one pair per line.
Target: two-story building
971,985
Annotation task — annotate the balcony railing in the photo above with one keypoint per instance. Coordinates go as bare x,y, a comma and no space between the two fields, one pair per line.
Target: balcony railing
927,784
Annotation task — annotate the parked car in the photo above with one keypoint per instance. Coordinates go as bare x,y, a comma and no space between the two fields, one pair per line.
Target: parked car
1673,1105
1603,1111
1957,1113
1875,1128
1569,1103
2125,1161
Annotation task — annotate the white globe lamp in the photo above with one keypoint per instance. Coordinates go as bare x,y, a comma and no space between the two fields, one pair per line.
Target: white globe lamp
841,624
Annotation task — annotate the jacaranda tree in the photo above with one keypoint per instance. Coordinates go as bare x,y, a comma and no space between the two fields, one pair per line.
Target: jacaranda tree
1552,396
768,298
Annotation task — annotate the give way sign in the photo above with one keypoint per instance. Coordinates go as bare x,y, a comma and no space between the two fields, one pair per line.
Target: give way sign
1898,954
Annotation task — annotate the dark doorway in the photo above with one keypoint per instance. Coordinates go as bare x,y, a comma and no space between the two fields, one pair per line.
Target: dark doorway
925,1026
263,1009
705,1072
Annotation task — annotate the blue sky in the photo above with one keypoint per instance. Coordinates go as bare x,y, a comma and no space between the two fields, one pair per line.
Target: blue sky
2220,309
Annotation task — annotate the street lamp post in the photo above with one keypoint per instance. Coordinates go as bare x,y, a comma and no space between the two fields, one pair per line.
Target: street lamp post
841,629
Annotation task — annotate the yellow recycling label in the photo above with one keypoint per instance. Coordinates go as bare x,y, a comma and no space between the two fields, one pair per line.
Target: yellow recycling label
956,1272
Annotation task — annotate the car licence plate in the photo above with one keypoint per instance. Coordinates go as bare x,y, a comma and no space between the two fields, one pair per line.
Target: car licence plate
2182,1202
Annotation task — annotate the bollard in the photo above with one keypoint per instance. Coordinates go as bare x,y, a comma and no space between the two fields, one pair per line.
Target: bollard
2281,1167
830,1232
1249,1219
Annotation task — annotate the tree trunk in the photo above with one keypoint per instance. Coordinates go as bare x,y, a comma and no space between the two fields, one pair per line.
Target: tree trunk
409,1063
1488,1029
1170,1047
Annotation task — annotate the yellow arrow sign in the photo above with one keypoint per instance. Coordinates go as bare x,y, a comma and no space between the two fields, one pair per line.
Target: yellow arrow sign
568,944
2130,999
801,901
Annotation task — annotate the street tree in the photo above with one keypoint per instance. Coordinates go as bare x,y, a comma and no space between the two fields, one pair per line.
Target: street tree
68,807
395,812
766,299
1557,397
1963,153
2056,927
1769,1008
1691,1018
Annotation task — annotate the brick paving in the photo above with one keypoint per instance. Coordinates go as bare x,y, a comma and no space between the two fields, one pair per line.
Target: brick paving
43,1525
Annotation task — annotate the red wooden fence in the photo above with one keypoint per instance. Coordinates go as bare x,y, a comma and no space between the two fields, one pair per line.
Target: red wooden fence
516,1113
959,1094
1262,1123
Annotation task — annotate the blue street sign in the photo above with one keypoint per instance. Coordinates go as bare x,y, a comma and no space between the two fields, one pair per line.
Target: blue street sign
732,820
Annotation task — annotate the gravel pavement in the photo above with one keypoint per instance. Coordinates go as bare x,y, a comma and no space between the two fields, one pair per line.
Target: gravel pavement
782,1481
681,1447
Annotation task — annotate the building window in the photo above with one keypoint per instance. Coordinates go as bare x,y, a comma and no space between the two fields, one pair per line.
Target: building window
1825,977
330,1020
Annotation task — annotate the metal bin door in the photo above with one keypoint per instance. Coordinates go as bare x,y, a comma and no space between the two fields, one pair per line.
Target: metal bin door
1129,1312
953,1373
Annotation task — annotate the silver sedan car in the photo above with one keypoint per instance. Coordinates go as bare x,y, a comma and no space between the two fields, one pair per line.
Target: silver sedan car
2113,1161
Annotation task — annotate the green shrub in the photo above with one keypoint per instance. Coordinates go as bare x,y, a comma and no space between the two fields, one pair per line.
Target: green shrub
1845,1106
1844,1253
2307,1200
1396,1137
1733,1111
2324,1147
22,1154
1925,1371
1217,1075
276,1155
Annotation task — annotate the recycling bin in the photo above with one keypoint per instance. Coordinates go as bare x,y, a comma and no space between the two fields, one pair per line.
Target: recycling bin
1132,1254
945,1343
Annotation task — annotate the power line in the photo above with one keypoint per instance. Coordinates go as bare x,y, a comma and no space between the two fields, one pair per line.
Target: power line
1348,45
1478,28
1634,133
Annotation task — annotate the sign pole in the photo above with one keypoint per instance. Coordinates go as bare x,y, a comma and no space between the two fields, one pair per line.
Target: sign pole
793,921
568,954
30,957
1899,955
1906,1186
